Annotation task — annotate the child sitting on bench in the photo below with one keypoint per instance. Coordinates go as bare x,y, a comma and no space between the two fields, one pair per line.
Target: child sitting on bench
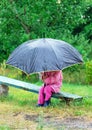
52,83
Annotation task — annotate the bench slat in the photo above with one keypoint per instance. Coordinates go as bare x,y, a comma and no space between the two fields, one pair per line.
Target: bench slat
19,84
33,88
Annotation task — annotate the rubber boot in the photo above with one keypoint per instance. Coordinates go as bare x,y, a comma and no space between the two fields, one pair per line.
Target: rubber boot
39,105
47,103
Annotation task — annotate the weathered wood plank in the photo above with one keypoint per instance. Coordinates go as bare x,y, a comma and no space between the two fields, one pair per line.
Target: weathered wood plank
34,88
19,84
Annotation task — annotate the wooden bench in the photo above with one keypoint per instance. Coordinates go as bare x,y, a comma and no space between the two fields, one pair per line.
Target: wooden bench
5,81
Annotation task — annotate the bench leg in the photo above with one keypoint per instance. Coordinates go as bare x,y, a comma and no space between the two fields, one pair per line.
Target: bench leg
4,90
67,100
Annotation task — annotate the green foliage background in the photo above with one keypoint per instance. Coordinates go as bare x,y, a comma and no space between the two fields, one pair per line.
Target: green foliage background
21,20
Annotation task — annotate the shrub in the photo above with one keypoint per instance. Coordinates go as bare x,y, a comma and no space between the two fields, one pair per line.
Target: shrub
89,72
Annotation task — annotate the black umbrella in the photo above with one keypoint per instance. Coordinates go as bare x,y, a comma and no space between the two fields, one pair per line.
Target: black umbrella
44,54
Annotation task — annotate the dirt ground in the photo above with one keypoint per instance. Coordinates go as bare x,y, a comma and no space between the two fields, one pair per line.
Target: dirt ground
70,123
26,121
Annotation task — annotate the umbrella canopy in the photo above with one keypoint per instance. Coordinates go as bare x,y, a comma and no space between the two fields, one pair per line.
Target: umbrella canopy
44,54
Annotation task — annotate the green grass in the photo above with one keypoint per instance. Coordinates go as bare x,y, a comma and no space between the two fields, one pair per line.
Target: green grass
29,99
5,127
24,102
20,101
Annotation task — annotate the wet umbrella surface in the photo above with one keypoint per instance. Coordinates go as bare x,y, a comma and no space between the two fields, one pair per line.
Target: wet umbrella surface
44,54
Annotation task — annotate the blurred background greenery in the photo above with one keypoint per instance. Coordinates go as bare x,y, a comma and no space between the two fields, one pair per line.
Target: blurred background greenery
66,20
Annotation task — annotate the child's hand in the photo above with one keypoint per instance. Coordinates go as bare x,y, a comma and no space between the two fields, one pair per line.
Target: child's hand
44,75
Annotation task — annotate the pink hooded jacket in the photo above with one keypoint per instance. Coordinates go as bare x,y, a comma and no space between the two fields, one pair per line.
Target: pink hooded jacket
54,79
